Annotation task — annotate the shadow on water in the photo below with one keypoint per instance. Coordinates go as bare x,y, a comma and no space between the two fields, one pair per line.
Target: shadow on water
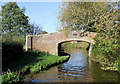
79,68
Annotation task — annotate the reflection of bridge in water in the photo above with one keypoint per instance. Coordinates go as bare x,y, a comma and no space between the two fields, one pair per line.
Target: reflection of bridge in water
51,43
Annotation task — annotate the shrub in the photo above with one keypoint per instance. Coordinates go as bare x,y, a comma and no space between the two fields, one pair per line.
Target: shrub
12,49
106,52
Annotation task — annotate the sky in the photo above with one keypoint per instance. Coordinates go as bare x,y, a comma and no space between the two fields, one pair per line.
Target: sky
43,14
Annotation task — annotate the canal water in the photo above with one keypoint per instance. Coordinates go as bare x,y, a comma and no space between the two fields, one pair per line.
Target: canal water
79,68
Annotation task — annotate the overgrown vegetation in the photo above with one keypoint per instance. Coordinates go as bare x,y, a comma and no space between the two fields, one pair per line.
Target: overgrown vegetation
40,61
12,51
10,77
106,52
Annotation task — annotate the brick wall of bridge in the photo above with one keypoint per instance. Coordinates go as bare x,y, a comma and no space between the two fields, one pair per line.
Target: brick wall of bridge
49,42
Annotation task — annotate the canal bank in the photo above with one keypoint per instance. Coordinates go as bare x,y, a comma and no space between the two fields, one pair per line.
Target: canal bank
41,61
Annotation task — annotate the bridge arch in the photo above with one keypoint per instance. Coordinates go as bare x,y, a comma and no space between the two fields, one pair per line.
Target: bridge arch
74,39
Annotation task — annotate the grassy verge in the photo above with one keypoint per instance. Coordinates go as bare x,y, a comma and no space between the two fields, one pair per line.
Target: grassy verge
40,61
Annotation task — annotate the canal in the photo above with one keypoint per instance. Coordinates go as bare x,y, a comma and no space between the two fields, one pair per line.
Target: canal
79,68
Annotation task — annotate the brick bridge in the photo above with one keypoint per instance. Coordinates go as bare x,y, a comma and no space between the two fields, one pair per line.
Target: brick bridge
51,43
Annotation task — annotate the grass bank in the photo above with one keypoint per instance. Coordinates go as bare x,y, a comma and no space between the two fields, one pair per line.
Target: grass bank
38,61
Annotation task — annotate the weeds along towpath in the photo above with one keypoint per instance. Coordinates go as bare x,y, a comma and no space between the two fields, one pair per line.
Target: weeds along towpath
39,61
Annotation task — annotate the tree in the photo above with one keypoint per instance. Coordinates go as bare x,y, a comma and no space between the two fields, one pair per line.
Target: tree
44,32
0,31
14,21
0,26
35,30
75,15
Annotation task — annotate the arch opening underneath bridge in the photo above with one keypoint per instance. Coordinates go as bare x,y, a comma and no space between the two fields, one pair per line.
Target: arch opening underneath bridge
59,49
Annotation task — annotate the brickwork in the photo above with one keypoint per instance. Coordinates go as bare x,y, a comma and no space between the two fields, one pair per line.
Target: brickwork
49,42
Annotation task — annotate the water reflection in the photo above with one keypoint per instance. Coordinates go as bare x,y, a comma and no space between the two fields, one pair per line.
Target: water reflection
77,69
